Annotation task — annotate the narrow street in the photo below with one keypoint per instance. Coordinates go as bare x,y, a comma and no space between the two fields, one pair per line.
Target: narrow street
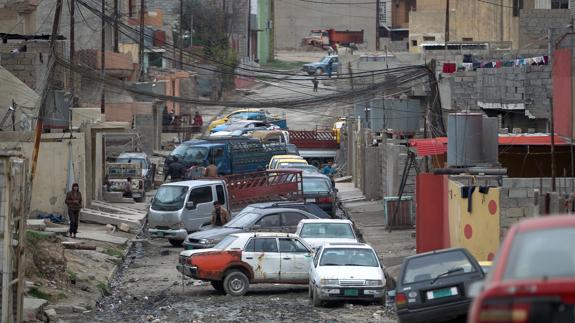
149,289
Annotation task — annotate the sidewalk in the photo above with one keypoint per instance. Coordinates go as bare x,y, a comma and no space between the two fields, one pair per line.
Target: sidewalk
367,216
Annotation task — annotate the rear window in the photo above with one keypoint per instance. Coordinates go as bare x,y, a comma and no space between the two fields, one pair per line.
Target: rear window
315,185
542,254
327,230
429,267
360,257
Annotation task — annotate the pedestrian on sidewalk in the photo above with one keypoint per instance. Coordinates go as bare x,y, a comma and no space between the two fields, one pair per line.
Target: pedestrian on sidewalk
220,216
74,203
315,83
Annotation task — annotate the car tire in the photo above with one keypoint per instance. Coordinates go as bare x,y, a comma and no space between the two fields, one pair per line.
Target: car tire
319,71
176,243
236,283
315,298
218,285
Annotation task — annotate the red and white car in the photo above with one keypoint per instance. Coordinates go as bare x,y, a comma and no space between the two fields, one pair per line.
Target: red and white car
242,259
533,276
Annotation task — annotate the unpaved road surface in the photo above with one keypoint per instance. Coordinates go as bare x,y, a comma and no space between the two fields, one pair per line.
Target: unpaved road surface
149,289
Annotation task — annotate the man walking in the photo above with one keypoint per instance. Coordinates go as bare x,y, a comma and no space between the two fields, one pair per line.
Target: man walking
74,203
220,216
315,83
329,67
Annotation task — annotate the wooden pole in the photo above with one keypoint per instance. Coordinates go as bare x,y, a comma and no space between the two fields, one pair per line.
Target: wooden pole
116,35
446,23
72,43
377,23
181,38
141,43
103,59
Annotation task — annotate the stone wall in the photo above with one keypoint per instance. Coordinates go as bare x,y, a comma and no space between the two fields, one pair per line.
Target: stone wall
535,23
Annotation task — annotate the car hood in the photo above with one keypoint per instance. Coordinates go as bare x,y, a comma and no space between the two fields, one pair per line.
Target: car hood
187,253
316,242
349,272
217,233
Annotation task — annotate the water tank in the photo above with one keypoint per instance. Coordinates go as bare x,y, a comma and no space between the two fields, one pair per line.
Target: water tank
464,132
490,141
403,116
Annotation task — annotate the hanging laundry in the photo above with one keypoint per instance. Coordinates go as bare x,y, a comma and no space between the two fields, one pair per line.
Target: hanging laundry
468,66
449,68
498,64
467,58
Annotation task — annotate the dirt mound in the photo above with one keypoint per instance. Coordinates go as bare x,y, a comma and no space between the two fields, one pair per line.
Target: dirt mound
45,259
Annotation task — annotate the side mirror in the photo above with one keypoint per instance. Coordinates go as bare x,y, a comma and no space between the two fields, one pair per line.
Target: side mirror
190,205
475,289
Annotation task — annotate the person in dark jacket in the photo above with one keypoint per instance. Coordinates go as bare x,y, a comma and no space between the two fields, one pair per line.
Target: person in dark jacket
74,203
176,170
220,216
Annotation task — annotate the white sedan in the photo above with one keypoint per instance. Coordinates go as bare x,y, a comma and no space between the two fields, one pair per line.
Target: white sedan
346,271
317,232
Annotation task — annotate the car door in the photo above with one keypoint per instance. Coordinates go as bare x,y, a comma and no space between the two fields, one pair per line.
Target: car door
290,220
262,255
295,260
199,206
270,222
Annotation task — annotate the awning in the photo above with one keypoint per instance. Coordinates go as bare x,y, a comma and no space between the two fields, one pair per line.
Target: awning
438,146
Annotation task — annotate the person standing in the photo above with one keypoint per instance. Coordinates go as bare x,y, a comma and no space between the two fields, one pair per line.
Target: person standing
315,83
220,216
211,171
176,170
74,203
329,67
127,192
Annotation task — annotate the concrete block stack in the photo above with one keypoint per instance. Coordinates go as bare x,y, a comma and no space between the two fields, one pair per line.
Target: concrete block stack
534,25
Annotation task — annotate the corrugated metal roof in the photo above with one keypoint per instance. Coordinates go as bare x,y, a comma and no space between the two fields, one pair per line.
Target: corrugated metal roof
438,146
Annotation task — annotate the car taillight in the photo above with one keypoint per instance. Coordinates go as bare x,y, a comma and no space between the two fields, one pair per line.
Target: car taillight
500,312
400,300
324,200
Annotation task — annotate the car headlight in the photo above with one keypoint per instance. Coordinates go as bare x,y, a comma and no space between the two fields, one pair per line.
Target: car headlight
329,282
374,282
208,241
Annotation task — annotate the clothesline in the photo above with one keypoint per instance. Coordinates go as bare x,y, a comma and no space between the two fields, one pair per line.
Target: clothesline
470,65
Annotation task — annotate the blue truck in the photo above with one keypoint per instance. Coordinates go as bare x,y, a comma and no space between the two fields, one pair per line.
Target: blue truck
230,155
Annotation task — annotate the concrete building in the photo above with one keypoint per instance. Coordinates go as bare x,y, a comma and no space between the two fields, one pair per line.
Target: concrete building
294,19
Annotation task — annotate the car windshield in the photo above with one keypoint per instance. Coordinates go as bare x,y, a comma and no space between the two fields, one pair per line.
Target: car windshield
242,220
226,242
142,162
327,230
430,266
169,198
348,257
190,153
542,254
315,185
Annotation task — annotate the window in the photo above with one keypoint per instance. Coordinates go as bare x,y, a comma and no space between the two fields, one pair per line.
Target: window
542,254
292,245
429,267
414,42
467,39
272,220
201,195
349,257
316,256
428,38
327,230
220,194
291,219
169,198
262,245
217,153
559,4
155,59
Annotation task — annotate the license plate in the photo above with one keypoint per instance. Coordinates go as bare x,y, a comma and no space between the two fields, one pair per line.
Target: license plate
350,292
310,200
441,293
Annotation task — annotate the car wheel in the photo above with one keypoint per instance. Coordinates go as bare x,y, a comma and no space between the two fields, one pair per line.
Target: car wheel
316,300
318,71
218,285
176,243
236,283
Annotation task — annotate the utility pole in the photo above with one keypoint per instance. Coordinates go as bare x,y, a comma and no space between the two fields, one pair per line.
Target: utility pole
103,59
72,44
272,30
446,36
551,116
141,43
377,23
116,36
181,33
249,32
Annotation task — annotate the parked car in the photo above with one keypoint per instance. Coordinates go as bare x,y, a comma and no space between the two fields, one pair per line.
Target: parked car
242,259
255,219
277,158
148,169
433,285
117,175
318,68
346,271
533,276
249,114
308,207
245,124
286,163
319,232
303,167
318,188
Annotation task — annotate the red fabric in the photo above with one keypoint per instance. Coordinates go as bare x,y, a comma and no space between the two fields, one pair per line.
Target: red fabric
498,64
449,68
